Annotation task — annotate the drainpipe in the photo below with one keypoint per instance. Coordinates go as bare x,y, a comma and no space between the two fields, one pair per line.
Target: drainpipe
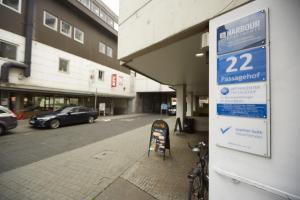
26,66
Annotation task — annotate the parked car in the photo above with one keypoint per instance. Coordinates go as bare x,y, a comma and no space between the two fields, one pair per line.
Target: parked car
67,115
172,110
8,120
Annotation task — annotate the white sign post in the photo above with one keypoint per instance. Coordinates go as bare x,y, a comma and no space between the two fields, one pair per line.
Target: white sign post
102,108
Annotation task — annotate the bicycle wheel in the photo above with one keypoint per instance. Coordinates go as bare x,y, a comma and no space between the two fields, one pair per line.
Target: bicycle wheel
195,189
205,192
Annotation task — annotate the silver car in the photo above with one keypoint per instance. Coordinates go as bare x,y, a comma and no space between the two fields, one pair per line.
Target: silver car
8,120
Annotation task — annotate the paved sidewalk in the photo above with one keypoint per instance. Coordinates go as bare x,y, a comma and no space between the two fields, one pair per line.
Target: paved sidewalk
112,169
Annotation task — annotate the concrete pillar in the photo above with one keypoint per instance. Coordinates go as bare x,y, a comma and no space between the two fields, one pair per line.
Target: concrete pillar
181,102
131,105
112,107
189,104
138,103
19,102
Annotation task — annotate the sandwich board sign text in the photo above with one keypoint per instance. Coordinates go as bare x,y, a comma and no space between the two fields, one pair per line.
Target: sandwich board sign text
242,76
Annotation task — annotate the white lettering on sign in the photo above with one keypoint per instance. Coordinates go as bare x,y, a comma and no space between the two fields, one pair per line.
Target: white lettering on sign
241,77
240,29
243,67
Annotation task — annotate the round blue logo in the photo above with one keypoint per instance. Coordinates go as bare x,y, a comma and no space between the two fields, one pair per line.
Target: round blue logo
224,90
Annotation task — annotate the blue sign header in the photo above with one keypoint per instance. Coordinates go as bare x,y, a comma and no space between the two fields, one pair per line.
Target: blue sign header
242,67
247,32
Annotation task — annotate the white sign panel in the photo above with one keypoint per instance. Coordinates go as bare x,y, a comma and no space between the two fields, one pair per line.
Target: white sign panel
255,93
101,106
242,107
243,134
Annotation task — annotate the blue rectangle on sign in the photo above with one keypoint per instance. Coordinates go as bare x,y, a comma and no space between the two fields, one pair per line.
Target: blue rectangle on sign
242,67
247,32
243,110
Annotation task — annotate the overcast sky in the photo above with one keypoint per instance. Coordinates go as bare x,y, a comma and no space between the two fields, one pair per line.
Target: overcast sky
113,4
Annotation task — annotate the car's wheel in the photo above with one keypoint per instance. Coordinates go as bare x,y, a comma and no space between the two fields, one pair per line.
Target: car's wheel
91,119
2,130
54,123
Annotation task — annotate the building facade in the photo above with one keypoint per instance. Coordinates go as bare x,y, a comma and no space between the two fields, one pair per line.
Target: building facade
241,56
54,53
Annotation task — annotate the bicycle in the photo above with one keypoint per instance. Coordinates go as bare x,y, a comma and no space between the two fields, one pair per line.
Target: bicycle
198,178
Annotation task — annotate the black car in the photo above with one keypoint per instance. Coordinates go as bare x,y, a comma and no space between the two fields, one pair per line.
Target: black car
8,120
172,110
65,116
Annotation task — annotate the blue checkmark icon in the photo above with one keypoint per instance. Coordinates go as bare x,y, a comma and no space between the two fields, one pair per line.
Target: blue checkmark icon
225,130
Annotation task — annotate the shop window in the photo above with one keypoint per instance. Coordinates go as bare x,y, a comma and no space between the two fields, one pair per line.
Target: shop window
78,35
44,103
58,103
95,9
109,51
50,21
102,48
74,101
14,5
86,3
63,65
101,75
28,103
8,50
65,28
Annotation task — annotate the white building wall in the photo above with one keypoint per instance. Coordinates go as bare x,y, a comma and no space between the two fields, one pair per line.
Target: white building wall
144,84
280,172
45,73
170,17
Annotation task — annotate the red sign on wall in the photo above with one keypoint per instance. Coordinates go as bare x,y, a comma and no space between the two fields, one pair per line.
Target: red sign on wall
114,80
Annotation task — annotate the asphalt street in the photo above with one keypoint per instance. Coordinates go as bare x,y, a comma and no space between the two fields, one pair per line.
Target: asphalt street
27,145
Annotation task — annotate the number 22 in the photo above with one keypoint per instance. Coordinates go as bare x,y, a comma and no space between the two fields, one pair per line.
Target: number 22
244,66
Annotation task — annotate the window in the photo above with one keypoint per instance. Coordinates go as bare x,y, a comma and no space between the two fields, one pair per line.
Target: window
121,81
102,48
78,35
86,3
83,109
50,21
14,5
110,21
102,15
65,28
8,50
109,51
95,9
63,65
101,75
